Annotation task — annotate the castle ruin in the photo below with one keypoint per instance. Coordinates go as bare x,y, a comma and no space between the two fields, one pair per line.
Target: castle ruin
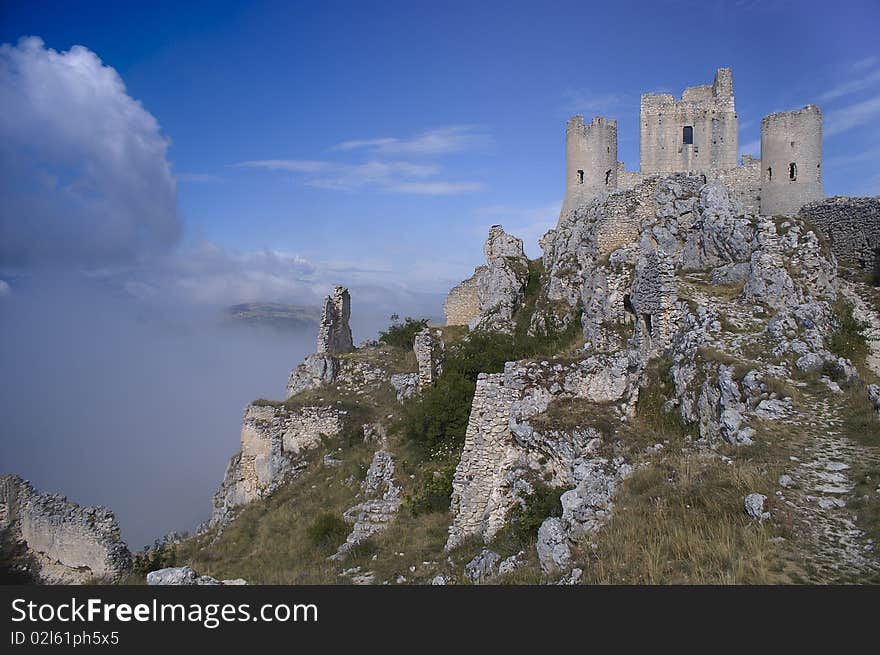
699,134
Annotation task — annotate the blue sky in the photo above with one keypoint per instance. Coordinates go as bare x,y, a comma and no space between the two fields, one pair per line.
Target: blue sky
374,143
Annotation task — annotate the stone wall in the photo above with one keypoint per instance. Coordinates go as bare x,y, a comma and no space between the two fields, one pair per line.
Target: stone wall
503,453
709,110
428,349
462,304
274,439
852,225
334,333
70,544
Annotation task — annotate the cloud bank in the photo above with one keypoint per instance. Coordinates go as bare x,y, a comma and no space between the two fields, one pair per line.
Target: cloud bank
83,168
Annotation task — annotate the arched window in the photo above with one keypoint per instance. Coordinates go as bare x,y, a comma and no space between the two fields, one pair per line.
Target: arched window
687,135
580,177
792,171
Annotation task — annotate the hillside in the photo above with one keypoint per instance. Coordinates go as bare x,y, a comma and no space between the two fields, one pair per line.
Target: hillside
694,401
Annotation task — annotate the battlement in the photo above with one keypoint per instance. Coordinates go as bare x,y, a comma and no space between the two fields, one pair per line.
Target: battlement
699,133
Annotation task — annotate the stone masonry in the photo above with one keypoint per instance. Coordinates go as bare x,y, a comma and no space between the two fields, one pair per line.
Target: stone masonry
70,544
853,227
428,348
334,333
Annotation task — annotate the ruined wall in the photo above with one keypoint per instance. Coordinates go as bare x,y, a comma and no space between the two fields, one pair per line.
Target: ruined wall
744,181
791,160
428,349
853,227
334,333
623,215
590,159
710,110
462,304
273,438
503,452
70,544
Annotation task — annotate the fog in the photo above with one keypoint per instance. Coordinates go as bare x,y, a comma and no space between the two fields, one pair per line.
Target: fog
135,406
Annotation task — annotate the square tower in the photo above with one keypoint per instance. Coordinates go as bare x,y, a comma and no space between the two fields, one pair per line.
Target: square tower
698,132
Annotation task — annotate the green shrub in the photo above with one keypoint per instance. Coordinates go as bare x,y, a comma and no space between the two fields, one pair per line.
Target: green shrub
433,489
848,339
402,335
327,531
153,559
521,530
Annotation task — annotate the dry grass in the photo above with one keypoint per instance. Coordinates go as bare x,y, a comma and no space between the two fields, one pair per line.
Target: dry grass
681,521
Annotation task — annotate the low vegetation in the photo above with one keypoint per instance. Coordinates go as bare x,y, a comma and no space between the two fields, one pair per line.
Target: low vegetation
402,335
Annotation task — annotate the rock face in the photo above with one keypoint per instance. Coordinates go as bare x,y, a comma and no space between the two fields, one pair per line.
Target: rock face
503,454
489,299
381,502
317,370
274,439
853,227
184,575
334,333
68,543
483,567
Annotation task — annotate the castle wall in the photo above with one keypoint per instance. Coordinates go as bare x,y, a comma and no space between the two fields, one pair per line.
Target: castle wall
852,225
70,544
791,139
625,211
744,181
710,111
462,304
590,161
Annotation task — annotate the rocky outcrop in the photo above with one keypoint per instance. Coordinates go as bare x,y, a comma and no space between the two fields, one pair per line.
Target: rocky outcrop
381,501
853,227
184,575
498,287
334,333
504,454
274,441
317,370
68,543
406,385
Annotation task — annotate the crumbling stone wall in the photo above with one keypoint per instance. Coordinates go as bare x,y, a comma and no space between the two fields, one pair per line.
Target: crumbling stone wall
710,113
334,333
70,544
462,304
274,439
852,225
428,348
503,452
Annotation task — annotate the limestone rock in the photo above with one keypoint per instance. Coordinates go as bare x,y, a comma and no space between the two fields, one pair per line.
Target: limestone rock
483,566
185,575
755,505
380,505
317,370
406,385
554,552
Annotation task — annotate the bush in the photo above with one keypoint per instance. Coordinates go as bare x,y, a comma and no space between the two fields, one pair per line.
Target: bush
327,531
153,559
848,340
402,335
521,530
434,489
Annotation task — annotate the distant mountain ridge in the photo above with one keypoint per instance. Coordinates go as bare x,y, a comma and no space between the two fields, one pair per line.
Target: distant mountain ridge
274,315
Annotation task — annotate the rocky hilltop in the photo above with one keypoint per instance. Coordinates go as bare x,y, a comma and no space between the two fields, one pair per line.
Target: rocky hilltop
678,390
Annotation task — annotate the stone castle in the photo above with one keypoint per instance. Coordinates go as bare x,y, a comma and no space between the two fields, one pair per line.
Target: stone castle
698,133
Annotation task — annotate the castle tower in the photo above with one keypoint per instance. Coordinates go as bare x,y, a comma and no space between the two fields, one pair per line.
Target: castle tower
791,160
699,132
590,160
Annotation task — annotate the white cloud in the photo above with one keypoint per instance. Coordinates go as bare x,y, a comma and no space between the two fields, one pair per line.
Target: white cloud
438,141
867,62
5,289
83,168
852,86
391,176
846,118
590,104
